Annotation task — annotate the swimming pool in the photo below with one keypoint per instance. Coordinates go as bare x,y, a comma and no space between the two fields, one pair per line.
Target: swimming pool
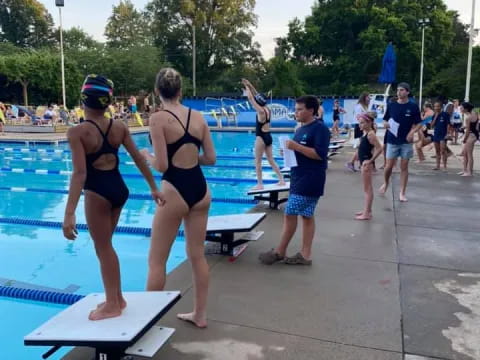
33,188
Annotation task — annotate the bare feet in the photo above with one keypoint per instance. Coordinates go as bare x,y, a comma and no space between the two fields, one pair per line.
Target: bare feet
258,187
123,304
383,189
363,216
191,318
466,175
402,197
280,183
105,311
359,213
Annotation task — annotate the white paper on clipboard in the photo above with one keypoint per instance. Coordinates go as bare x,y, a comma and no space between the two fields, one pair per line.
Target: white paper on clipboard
289,158
393,127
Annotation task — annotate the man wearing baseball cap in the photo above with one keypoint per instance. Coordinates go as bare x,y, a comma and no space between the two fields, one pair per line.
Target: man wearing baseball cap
402,119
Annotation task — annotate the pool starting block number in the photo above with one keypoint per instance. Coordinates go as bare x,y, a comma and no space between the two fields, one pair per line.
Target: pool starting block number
222,229
132,333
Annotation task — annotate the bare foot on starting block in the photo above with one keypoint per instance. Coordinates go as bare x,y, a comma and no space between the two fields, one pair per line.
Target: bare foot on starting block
281,183
105,311
191,318
258,187
123,304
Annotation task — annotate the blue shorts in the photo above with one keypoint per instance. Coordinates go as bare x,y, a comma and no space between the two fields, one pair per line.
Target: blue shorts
404,151
301,205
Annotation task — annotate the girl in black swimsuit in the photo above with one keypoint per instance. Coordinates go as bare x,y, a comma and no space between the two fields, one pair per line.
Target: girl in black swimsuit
94,145
472,135
368,150
263,141
178,134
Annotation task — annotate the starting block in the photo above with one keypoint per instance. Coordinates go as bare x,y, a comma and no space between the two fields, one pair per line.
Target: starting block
132,333
222,229
272,191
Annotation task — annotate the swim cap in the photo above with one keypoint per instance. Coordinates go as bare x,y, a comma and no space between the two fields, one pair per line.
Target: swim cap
97,92
260,99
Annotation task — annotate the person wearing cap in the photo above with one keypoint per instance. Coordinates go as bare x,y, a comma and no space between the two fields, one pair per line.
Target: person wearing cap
94,145
399,141
263,141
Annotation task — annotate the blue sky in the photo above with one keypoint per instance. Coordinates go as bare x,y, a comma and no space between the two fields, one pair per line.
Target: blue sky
273,16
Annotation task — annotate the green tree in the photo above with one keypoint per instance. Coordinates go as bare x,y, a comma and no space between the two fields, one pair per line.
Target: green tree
127,27
282,78
76,39
223,34
342,41
25,23
40,70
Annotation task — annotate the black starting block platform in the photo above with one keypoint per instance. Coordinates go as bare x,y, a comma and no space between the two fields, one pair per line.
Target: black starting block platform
273,194
222,230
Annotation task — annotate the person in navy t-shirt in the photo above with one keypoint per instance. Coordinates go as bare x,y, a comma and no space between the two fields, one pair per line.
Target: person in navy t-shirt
307,182
399,143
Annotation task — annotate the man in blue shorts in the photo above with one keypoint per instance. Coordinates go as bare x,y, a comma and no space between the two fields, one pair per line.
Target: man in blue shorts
399,142
307,182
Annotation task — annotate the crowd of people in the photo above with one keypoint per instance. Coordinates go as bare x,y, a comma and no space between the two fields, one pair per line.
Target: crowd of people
181,142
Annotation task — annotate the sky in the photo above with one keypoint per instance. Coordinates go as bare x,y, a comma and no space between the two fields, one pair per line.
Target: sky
273,16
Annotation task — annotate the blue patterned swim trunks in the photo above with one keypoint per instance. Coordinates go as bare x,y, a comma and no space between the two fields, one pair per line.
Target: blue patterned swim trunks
301,205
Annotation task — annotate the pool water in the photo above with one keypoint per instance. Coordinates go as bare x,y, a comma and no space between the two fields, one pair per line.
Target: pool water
40,256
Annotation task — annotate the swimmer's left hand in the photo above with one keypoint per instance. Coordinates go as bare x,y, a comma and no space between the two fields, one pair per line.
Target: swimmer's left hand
69,227
145,153
158,197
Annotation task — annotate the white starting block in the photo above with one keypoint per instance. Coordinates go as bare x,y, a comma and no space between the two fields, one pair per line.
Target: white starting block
132,333
272,191
222,229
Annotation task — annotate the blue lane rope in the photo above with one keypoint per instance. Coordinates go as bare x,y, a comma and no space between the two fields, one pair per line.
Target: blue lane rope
129,163
58,225
136,176
131,196
40,295
60,151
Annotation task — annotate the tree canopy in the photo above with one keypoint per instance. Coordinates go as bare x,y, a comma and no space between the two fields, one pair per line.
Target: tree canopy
335,50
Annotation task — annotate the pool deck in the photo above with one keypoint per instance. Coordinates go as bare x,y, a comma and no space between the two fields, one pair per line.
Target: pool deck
402,286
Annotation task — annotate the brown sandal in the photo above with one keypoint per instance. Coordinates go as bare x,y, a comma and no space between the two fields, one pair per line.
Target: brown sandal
270,257
297,259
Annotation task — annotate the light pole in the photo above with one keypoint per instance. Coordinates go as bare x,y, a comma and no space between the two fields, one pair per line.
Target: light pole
470,45
60,4
423,23
194,60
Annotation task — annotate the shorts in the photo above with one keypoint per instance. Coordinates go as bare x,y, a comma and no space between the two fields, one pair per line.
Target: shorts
301,205
404,151
457,126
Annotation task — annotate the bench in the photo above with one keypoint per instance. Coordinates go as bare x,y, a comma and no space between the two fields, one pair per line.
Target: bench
272,191
222,229
132,333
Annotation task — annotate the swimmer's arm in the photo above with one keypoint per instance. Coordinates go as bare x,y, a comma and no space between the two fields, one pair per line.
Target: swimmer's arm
139,160
209,157
372,139
467,129
79,174
251,92
160,160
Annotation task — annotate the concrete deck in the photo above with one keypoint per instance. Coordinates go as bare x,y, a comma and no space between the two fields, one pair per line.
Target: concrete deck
405,285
